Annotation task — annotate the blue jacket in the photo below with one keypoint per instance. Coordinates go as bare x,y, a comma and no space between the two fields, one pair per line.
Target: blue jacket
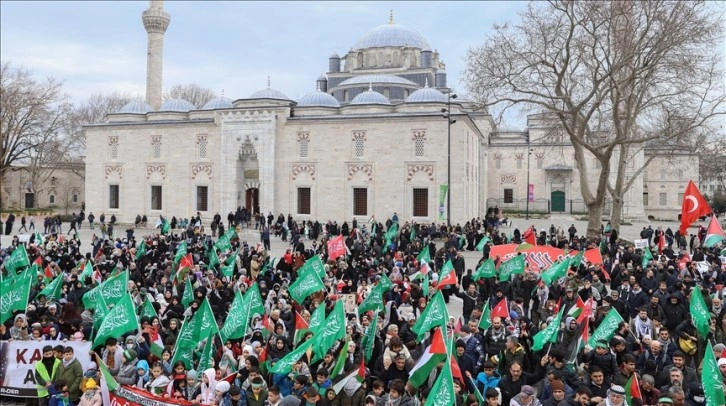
484,382
283,382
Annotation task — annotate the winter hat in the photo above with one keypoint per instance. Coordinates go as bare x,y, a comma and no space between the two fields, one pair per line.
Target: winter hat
557,385
91,384
527,390
222,386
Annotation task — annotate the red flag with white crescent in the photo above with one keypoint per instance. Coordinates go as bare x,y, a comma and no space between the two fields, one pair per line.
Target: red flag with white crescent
694,206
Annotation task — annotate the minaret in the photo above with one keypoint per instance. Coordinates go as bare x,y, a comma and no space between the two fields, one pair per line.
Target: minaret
156,21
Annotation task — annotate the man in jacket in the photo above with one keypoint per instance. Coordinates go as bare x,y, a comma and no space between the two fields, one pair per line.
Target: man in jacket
46,372
71,372
511,384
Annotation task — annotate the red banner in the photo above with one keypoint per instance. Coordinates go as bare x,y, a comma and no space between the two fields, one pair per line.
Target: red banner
126,395
540,257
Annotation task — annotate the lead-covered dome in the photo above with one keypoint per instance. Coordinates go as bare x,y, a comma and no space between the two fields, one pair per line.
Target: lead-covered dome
391,35
177,105
426,95
269,94
136,107
370,96
318,98
377,79
218,103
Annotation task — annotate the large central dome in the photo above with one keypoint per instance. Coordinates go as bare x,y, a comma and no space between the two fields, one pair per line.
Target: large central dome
391,35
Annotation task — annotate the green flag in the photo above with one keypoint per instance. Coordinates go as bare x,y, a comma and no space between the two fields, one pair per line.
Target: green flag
184,349
100,310
228,270
712,380
107,378
185,339
223,243
700,313
87,272
412,236
313,264
141,250
424,255
577,259
607,328
165,227
434,314
556,271
112,289
425,284
305,285
181,250
647,257
54,289
15,295
368,342
188,294
442,392
284,365
236,321
486,316
391,233
317,318
373,301
121,319
385,283
332,330
340,363
253,300
270,264
206,361
549,334
511,267
203,322
486,270
482,243
213,258
17,260
37,238
147,309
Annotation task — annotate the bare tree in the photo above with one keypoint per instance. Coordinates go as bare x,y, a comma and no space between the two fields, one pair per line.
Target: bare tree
192,93
31,112
614,75
93,111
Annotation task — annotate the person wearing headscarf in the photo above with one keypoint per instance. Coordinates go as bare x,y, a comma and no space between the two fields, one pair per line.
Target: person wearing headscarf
142,371
192,388
207,388
127,374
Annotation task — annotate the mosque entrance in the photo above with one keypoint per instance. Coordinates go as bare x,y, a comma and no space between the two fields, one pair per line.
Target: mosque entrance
252,200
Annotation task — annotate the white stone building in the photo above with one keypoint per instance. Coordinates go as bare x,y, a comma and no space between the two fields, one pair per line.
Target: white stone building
372,139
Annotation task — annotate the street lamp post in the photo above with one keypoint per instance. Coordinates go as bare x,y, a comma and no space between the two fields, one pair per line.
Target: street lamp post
447,115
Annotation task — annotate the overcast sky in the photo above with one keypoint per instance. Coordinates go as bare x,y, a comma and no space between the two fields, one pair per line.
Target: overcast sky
231,46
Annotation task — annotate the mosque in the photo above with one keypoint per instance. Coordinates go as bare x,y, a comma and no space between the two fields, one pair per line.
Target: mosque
380,133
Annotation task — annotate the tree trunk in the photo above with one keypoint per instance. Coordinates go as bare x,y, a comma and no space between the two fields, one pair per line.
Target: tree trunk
616,215
594,218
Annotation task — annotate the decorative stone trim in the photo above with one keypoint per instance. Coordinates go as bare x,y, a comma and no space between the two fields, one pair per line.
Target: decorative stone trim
113,140
110,169
412,169
358,134
150,169
519,156
256,115
201,138
365,168
198,168
418,134
539,155
303,136
251,185
498,155
509,179
300,168
156,140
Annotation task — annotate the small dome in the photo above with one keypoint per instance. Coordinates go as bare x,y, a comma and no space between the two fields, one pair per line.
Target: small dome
322,77
370,96
269,94
218,103
334,55
391,35
426,95
177,105
136,107
318,98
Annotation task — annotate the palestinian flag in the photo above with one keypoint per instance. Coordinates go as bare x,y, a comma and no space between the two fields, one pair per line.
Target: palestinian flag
448,275
632,390
576,310
48,273
586,311
340,363
301,327
583,336
185,265
714,234
434,353
359,375
156,345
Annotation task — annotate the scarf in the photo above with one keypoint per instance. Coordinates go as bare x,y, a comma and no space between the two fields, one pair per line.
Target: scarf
351,386
111,359
48,364
643,327
67,363
89,394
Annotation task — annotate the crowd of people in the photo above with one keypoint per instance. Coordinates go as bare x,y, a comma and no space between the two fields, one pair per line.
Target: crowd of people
499,364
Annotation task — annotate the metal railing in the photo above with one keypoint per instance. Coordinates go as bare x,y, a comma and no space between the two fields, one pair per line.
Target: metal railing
572,206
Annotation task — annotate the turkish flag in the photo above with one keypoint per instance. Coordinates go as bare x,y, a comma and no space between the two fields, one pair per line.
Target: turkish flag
694,206
529,237
661,243
501,309
336,247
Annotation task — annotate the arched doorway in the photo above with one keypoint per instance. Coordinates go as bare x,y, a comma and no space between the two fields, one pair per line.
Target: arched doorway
252,200
558,201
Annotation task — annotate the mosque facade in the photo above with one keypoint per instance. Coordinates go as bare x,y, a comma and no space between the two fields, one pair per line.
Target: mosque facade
372,139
